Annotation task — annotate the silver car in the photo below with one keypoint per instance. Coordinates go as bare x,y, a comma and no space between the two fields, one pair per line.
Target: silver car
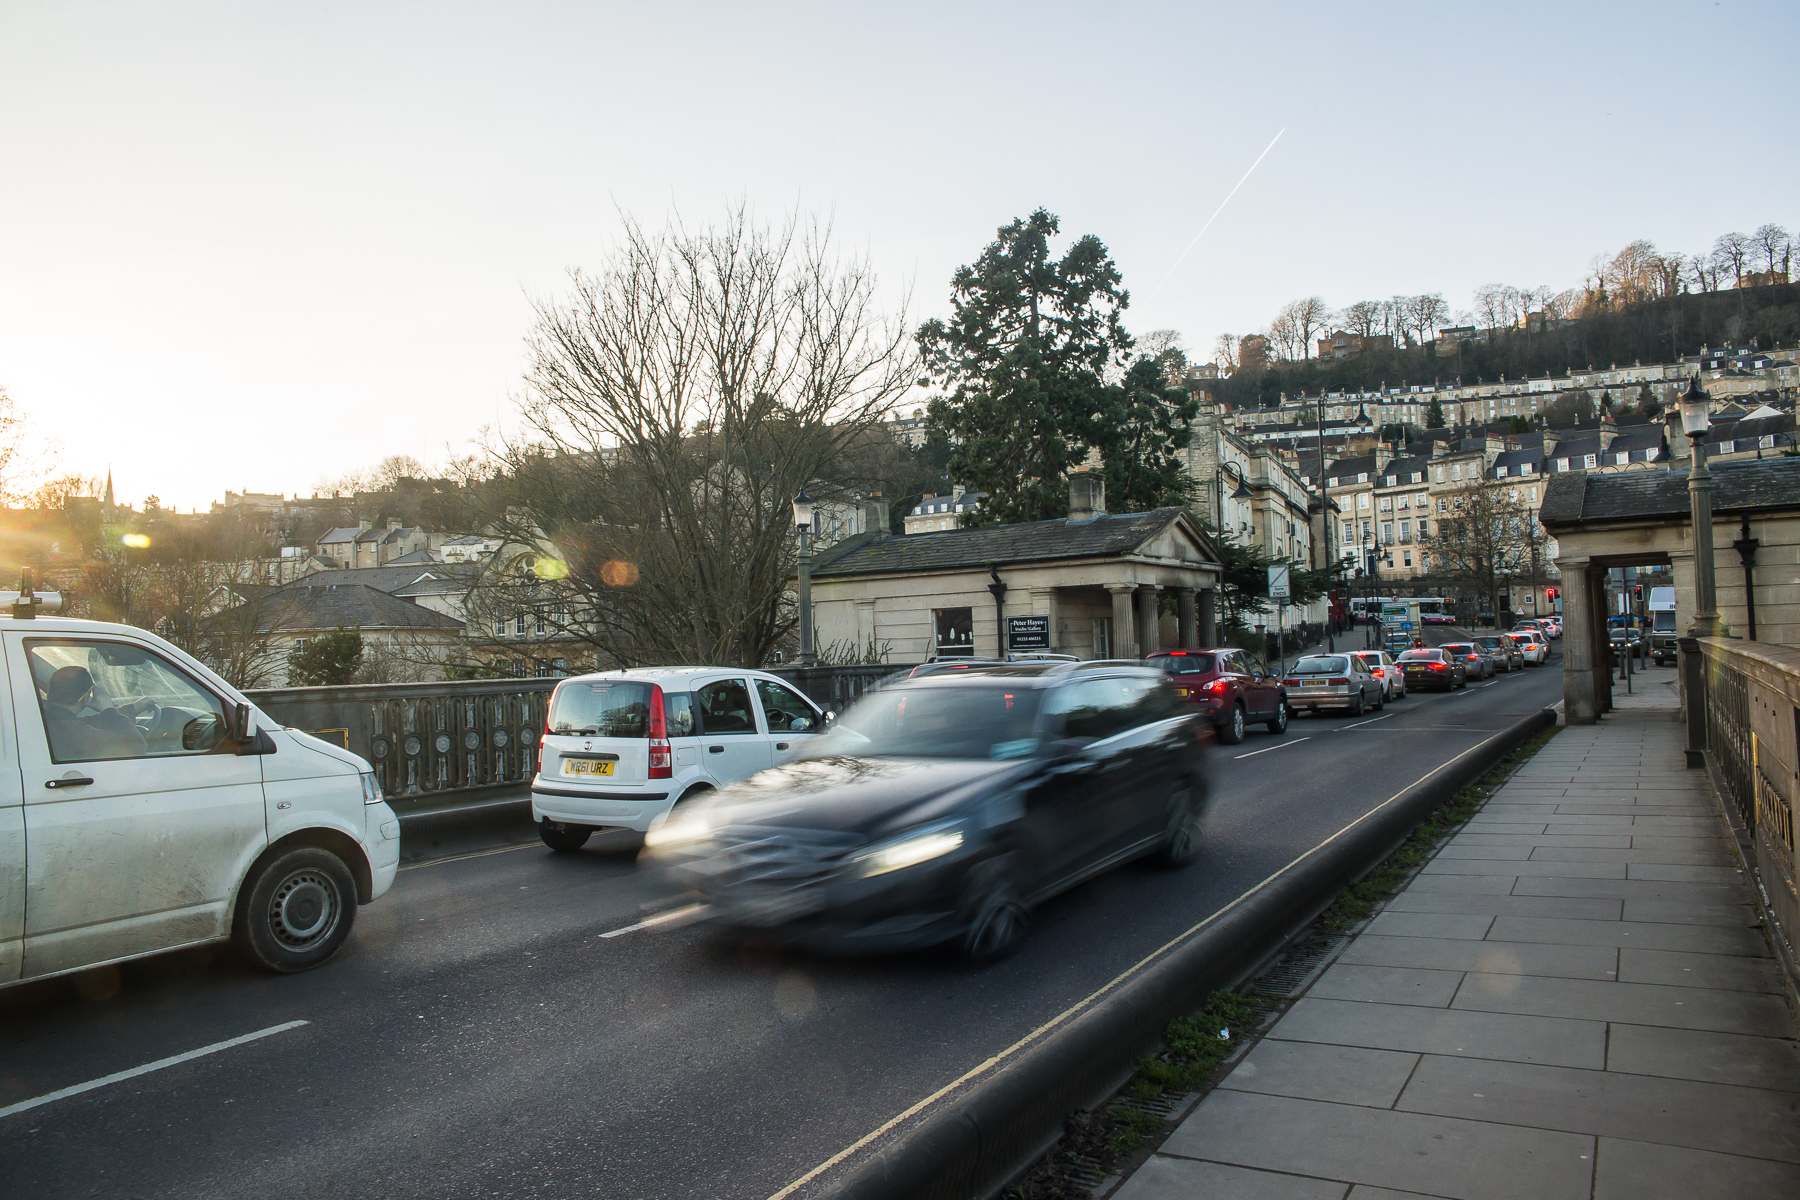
1328,681
1381,664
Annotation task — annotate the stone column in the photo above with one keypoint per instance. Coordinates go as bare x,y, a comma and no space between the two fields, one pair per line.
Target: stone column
1209,626
1121,619
1602,644
1184,618
1043,601
1579,704
1149,625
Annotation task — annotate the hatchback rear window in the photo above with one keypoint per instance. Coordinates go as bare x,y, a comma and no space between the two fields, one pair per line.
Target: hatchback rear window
1183,664
1422,656
1321,666
617,708
1457,648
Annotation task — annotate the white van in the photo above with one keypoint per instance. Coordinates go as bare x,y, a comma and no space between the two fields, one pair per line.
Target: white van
621,748
145,805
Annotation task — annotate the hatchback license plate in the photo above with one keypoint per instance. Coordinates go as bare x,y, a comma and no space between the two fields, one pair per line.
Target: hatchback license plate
1315,683
586,766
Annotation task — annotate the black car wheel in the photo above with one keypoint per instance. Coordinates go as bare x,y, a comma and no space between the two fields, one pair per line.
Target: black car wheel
1181,843
1380,699
998,917
1278,723
1356,705
564,839
1231,732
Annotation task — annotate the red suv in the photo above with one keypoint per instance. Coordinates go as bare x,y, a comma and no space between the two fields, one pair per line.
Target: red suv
1232,687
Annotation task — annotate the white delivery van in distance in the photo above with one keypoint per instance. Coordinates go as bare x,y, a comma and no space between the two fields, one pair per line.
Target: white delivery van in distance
146,805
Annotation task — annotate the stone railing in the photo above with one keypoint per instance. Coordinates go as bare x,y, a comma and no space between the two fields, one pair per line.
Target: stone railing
1743,700
424,739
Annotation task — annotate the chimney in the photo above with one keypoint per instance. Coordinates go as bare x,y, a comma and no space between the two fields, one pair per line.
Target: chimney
1087,496
1609,429
1551,437
393,523
1679,446
363,525
875,514
1384,454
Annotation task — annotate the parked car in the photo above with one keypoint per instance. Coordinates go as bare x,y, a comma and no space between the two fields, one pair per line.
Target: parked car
1232,687
1621,638
1534,649
1434,669
1503,650
1382,665
621,748
160,809
1477,664
942,810
1328,681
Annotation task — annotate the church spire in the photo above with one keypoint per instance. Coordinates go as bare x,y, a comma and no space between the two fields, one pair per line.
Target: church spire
109,490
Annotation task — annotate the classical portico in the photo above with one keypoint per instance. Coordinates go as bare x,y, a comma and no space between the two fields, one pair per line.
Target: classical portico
1099,582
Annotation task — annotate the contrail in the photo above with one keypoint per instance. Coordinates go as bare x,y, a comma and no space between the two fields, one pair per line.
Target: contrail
1217,211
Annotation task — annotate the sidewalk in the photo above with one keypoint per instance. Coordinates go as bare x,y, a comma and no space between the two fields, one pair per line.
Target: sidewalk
1571,1000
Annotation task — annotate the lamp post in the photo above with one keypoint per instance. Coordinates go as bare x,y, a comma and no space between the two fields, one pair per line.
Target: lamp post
1368,559
1325,520
1695,420
803,514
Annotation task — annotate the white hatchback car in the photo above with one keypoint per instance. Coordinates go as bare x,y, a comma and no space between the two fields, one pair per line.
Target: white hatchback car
1531,642
621,748
145,805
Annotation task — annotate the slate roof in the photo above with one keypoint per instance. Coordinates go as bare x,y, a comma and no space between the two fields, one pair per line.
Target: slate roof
345,534
416,558
298,609
1031,541
1587,498
1403,470
393,578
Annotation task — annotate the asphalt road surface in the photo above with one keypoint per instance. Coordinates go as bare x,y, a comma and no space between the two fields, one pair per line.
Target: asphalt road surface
489,1032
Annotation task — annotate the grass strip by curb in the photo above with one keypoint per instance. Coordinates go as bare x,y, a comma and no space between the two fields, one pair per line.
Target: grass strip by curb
1193,1048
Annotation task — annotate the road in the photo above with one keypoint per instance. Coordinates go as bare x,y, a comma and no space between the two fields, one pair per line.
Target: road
482,1035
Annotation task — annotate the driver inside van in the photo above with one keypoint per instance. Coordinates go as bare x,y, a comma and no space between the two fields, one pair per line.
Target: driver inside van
79,731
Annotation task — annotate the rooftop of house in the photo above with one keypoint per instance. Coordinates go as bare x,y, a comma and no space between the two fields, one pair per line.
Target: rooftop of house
299,608
1031,541
1580,497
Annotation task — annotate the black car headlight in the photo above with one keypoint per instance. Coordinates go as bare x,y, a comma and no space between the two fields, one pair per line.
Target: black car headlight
909,849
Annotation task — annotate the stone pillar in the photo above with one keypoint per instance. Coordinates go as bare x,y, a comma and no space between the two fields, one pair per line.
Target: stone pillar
1043,601
1184,619
1602,644
1209,625
1149,627
1579,704
1121,619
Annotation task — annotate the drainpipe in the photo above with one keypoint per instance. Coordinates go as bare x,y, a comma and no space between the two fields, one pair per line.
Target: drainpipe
1746,548
998,591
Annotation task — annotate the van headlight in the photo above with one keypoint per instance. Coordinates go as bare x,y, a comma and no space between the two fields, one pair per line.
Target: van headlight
371,788
910,850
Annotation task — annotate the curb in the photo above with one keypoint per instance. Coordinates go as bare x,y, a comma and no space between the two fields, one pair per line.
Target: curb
974,1145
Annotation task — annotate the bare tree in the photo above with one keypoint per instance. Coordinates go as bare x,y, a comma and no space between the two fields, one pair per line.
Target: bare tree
23,467
1225,352
1284,335
1732,253
675,403
1773,242
1489,540
1493,303
1169,350
1425,313
1565,304
1362,318
1704,270
391,470
1310,315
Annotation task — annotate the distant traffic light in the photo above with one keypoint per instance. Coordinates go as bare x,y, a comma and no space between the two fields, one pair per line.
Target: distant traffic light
1550,593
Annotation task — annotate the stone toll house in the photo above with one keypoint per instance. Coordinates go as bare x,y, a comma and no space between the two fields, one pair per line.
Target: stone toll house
1096,581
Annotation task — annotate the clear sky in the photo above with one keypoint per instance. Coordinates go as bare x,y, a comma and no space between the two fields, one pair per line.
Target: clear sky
254,245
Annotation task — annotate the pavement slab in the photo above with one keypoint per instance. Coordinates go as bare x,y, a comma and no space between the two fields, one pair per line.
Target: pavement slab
1578,908
1312,1071
1391,985
1729,972
1407,1027
1636,1003
1752,1062
1517,958
1707,939
1415,1152
1636,1170
1164,1178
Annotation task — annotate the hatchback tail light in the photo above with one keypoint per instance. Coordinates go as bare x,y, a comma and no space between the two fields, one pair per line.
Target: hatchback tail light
1290,683
1341,679
1217,685
662,765
1439,667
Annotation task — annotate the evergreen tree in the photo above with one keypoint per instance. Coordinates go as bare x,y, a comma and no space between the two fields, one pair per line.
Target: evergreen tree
326,661
1647,404
1434,416
1143,423
1023,354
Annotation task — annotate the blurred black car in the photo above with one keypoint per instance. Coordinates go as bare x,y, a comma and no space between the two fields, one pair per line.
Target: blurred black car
942,809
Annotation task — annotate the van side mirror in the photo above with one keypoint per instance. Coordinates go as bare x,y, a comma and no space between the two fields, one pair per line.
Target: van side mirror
243,724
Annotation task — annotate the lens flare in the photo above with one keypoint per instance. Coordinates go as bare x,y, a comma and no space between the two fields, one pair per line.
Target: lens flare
136,541
616,572
550,568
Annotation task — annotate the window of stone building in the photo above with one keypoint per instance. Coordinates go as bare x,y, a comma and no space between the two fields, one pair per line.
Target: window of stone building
1440,474
1387,504
1362,500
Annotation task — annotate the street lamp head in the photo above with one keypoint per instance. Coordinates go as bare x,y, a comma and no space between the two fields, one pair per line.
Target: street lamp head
803,506
1694,416
1243,492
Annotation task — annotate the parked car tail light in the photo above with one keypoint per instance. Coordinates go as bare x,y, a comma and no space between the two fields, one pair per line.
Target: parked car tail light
662,764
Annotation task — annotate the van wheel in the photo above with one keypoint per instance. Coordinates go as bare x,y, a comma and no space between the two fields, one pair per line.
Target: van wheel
564,839
294,910
1232,731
